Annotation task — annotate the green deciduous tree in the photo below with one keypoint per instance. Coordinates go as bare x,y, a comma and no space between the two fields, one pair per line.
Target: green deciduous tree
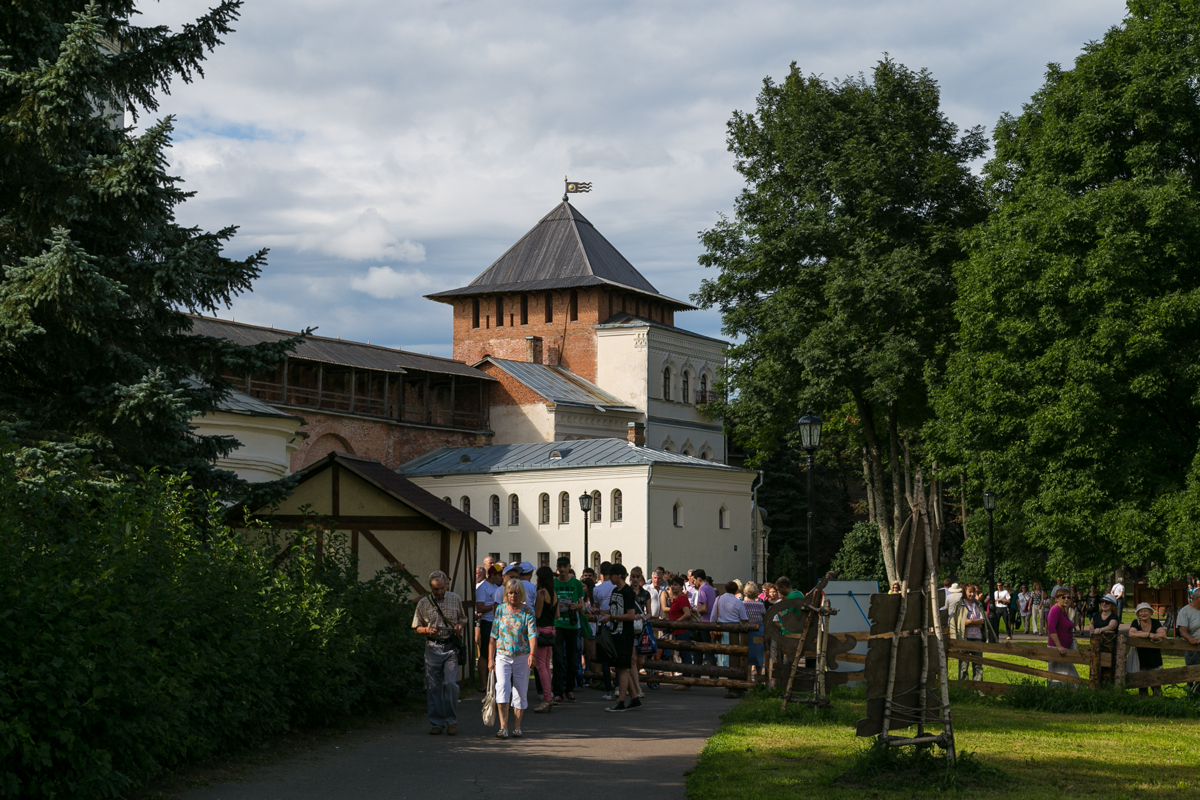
1074,391
96,275
836,270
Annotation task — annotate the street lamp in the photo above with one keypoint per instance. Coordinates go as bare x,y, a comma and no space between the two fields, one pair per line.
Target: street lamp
989,505
809,427
585,505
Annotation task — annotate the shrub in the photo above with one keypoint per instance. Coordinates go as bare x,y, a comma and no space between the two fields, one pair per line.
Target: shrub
136,635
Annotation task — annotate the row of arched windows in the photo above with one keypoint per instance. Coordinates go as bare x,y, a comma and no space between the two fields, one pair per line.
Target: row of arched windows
616,508
685,393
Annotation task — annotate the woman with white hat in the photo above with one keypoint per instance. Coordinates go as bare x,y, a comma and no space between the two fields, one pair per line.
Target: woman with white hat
1106,620
1144,627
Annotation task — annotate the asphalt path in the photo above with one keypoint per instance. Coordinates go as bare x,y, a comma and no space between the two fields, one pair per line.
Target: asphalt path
574,746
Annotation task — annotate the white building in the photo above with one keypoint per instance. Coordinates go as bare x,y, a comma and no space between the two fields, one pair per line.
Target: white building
650,507
268,437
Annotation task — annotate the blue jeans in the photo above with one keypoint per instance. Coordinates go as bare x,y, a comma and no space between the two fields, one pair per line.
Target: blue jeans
441,683
685,656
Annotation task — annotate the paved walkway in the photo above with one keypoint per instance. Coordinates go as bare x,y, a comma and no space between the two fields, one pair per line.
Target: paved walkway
575,745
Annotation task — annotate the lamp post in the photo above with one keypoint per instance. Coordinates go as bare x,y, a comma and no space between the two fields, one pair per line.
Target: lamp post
585,505
809,427
989,505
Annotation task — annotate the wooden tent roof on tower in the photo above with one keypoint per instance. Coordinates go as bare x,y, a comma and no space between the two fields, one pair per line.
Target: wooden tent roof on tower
562,251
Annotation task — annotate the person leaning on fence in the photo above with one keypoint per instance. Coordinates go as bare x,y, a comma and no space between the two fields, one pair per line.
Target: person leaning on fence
755,613
1187,627
1060,633
1145,659
1106,620
439,617
514,648
966,622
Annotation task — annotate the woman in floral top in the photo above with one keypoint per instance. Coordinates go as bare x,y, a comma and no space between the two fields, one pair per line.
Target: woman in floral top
514,634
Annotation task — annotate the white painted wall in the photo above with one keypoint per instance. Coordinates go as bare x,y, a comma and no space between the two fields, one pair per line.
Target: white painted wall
267,443
524,423
644,536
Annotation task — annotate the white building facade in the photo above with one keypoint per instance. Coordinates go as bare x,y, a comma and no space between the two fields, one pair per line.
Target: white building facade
650,508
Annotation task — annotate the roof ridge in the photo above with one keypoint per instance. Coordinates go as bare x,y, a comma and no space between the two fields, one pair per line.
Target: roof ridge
587,262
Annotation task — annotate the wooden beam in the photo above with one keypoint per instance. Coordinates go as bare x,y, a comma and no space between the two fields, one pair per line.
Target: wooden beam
713,683
680,625
1162,677
383,523
395,562
695,669
462,541
353,388
354,543
1165,644
702,647
1034,652
1039,673
444,555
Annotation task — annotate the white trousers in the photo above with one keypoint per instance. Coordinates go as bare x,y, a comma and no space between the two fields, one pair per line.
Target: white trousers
512,679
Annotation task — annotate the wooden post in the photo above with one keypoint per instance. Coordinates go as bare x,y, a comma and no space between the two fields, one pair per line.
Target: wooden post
429,406
1119,661
1094,663
320,382
353,388
943,665
284,393
452,406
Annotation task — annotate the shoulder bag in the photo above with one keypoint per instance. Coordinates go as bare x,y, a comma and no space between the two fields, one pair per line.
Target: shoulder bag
606,647
457,643
489,701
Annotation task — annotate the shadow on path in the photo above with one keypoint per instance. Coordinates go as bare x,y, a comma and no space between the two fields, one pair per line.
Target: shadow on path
574,743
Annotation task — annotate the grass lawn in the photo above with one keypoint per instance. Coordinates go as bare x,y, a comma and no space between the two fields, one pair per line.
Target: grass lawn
759,751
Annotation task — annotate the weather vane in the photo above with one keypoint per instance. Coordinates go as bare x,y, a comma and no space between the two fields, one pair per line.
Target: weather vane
575,187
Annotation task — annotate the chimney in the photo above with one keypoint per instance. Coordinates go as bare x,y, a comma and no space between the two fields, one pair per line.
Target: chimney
533,349
637,433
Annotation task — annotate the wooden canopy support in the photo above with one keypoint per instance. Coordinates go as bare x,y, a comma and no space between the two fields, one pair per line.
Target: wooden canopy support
395,562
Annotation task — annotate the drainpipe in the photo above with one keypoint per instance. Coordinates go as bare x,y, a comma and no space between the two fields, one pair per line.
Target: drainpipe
649,478
754,526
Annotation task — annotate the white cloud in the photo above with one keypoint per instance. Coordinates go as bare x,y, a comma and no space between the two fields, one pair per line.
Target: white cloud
388,284
437,132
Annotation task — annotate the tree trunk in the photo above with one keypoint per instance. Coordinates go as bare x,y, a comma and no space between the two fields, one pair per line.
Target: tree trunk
908,476
869,483
962,488
866,415
894,452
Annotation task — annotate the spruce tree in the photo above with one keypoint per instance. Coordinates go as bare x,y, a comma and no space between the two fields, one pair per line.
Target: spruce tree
97,277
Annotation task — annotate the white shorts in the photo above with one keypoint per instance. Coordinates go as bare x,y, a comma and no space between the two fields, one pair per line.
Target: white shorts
512,679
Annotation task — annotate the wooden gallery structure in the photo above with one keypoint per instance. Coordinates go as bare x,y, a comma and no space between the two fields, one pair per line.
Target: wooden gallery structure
387,521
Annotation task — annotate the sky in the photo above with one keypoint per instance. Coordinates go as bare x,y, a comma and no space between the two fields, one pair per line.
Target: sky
387,150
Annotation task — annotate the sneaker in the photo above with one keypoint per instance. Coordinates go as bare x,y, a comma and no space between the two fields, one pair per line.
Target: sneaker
609,696
632,704
517,733
502,734
618,707
570,697
558,699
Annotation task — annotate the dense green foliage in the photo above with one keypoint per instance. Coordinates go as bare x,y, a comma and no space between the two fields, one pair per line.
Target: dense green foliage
860,558
133,639
95,273
1075,388
836,271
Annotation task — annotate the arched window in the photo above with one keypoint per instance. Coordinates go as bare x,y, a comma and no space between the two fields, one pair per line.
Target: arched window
616,556
564,508
596,561
723,517
597,514
667,383
703,390
465,505
616,505
495,510
687,451
514,510
544,503
446,500
677,514
684,392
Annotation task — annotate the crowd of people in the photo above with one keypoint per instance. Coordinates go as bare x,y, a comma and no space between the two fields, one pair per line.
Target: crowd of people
558,628
1061,613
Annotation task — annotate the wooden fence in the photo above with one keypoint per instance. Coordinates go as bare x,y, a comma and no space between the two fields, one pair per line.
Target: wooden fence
1104,655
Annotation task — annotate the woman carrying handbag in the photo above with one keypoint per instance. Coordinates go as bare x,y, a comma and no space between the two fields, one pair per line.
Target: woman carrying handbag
513,647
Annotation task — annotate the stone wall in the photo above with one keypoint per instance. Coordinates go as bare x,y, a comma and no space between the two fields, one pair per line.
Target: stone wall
393,443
